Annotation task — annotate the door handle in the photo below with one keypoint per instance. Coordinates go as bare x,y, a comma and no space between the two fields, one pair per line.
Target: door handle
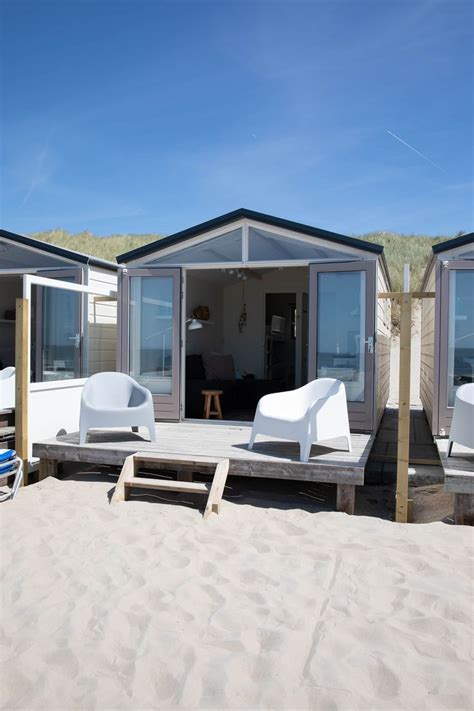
76,339
370,344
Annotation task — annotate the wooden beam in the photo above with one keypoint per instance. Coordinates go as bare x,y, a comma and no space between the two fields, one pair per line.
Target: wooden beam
423,294
217,489
398,295
127,473
22,381
413,461
403,449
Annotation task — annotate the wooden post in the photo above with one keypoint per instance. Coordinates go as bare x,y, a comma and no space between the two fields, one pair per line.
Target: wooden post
47,467
22,383
345,498
403,451
404,505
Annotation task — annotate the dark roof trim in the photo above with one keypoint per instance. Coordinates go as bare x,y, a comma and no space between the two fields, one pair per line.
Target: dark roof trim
58,251
453,243
242,213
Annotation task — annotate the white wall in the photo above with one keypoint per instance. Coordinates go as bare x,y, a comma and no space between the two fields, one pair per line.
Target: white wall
53,408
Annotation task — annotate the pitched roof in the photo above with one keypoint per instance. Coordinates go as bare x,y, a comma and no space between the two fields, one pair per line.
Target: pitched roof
58,251
453,243
241,213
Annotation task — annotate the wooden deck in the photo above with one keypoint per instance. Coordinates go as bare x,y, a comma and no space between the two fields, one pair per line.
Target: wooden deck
459,479
270,457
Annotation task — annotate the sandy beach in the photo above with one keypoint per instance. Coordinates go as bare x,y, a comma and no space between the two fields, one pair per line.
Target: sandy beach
142,605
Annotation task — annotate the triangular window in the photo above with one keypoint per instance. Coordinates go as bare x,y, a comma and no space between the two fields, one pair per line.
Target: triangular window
225,248
268,247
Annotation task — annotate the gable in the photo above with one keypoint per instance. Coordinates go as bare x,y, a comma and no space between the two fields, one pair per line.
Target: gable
234,220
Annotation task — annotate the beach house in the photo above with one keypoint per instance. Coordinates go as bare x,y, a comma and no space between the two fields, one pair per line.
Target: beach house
447,329
71,334
248,304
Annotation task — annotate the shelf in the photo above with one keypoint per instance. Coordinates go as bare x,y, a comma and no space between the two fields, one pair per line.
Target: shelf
7,320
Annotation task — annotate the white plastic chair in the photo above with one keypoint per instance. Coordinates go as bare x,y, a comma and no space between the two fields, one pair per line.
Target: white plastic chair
315,412
462,424
115,400
7,388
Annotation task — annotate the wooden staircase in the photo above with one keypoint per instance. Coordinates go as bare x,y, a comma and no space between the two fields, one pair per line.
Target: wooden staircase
185,468
7,429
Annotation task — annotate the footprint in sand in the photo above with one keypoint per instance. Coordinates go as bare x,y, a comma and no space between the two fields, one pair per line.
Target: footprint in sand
386,684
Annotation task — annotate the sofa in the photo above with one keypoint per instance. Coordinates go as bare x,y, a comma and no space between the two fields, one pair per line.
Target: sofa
237,393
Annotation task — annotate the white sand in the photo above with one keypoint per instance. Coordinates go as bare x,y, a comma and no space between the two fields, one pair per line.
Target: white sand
144,606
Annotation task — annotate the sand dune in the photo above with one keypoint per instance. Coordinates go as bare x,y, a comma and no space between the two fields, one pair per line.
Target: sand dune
144,606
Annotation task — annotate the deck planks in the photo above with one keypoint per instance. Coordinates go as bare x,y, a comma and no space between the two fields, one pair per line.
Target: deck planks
270,457
459,479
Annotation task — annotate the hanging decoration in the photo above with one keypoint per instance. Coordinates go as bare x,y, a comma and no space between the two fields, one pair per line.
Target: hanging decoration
243,314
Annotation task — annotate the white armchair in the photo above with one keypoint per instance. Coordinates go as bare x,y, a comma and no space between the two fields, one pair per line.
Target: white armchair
115,400
315,412
462,424
7,388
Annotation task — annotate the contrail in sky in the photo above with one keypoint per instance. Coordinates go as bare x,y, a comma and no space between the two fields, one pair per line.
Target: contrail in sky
422,155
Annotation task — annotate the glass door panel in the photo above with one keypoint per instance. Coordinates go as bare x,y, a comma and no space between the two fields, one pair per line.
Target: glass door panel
61,335
58,330
150,324
340,322
341,332
460,330
151,333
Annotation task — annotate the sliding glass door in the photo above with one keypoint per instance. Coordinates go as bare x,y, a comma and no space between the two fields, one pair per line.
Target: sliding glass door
150,323
341,332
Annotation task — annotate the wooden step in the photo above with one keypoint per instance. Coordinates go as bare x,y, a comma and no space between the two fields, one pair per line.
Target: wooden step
187,487
214,490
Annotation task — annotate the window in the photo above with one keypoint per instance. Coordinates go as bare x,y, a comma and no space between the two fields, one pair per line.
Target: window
225,248
267,246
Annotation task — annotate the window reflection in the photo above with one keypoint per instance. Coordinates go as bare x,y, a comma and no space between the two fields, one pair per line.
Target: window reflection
460,330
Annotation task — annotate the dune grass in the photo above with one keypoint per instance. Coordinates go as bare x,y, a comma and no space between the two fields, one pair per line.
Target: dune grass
399,248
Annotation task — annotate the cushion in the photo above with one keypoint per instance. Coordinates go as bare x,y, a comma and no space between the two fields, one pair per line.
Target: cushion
194,367
218,366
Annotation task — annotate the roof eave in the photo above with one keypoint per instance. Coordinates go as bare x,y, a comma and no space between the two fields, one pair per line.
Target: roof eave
58,251
453,243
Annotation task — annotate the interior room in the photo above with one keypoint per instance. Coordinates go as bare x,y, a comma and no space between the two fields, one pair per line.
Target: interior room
11,287
246,335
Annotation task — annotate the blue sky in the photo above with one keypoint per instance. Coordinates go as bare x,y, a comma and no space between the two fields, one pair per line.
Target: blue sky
153,116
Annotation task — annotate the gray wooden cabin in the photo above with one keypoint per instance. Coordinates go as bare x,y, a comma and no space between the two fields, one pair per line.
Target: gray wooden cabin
447,329
249,303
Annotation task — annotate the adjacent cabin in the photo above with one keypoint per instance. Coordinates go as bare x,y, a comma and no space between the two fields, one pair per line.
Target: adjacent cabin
69,340
249,304
447,332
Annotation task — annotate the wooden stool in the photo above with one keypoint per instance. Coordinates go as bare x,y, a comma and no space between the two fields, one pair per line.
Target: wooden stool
215,396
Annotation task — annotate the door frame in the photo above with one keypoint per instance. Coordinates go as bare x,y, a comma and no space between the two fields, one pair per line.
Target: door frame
361,414
445,411
166,407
